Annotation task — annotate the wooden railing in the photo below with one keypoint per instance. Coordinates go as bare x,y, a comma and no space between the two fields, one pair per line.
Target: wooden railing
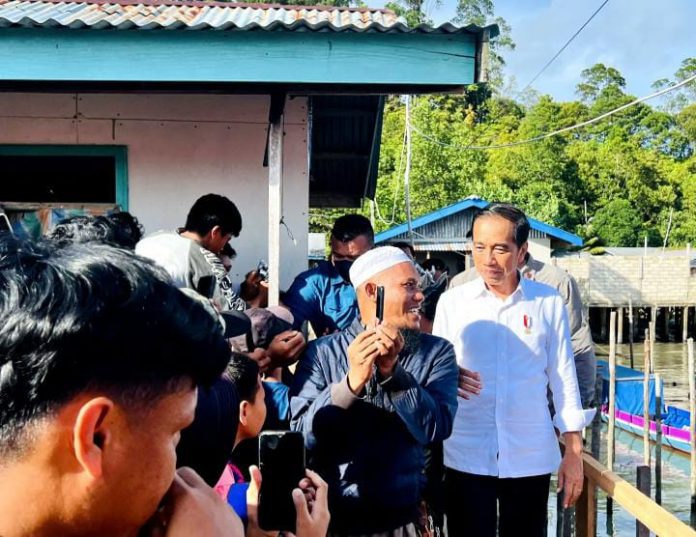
654,517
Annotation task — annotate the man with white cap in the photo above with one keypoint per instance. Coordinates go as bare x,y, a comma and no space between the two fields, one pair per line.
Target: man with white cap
369,398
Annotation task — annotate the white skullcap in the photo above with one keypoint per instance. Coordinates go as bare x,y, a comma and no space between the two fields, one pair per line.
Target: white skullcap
375,261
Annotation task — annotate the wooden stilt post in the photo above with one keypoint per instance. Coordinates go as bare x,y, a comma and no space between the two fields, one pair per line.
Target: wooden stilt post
685,323
692,427
643,485
658,439
651,327
630,330
597,420
620,324
666,314
612,402
646,399
603,320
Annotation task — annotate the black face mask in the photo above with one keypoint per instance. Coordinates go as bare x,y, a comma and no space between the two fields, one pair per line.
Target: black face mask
343,268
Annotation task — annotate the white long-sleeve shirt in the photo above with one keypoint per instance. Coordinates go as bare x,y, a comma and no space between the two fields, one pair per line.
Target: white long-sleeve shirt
520,346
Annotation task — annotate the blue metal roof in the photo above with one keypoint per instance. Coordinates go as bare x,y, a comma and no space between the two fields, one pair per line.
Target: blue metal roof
469,203
200,15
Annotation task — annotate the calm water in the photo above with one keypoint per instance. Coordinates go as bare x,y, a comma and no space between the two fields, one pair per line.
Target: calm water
670,362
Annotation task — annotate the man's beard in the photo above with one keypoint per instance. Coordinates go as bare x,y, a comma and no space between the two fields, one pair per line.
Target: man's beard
412,340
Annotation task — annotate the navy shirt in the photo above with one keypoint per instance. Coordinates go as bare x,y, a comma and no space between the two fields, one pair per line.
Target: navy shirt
322,297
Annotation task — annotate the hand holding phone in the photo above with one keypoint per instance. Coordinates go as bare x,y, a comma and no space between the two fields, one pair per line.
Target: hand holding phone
282,465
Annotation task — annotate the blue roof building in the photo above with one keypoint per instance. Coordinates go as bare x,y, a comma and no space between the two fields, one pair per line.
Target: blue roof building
443,234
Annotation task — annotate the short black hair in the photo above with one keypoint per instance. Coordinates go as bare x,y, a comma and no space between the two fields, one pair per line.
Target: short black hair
511,214
214,210
403,245
86,317
118,229
244,374
349,226
228,251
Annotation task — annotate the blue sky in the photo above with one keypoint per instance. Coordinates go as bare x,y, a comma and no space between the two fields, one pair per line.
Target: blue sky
644,39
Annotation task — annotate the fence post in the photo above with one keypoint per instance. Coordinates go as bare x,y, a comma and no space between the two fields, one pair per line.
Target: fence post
643,484
586,510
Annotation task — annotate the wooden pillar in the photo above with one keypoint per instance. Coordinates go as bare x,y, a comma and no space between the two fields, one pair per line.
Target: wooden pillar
643,485
666,313
620,320
685,323
586,511
603,321
275,194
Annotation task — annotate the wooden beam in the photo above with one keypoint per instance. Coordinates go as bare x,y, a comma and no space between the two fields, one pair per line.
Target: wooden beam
656,518
586,511
351,58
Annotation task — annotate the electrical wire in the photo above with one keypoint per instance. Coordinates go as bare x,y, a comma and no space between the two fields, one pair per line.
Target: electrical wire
556,132
566,45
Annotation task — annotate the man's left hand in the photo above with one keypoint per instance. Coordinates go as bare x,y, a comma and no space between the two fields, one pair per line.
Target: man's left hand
391,342
570,473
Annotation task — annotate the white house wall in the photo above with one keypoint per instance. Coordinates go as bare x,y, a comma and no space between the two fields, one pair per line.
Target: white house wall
179,148
540,249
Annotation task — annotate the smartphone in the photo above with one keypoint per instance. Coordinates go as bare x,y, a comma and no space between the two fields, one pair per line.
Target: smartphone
5,223
380,303
282,465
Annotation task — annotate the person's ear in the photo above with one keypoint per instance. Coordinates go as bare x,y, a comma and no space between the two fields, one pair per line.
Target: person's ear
522,254
371,291
216,232
92,434
244,413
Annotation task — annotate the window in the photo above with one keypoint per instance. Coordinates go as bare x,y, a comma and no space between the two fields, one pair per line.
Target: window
62,176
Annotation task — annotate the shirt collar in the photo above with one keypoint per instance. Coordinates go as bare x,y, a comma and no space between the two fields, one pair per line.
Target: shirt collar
480,288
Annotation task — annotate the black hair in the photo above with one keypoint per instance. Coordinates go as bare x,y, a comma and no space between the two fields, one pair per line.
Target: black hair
118,229
214,210
520,232
350,226
244,374
92,317
434,262
403,245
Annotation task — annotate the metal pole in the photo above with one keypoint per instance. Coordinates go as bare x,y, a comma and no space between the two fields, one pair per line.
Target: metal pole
630,330
646,399
692,427
612,404
658,439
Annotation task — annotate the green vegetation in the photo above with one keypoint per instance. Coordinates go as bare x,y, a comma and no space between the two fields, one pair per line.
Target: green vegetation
616,180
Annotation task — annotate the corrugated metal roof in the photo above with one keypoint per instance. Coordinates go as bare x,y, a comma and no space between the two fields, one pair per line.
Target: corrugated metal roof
172,15
441,224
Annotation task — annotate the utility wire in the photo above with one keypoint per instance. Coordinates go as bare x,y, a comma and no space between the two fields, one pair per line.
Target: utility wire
566,45
559,131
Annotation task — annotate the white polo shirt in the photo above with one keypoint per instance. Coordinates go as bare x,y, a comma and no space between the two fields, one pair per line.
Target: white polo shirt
520,346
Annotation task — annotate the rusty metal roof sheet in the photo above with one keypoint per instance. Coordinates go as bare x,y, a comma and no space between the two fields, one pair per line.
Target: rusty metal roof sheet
197,15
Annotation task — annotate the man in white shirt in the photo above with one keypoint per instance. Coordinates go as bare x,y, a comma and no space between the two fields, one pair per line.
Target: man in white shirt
514,332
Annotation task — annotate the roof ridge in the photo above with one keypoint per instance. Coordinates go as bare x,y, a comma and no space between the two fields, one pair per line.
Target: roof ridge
212,3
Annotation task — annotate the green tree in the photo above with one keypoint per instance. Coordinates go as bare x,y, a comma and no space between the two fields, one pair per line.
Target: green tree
617,224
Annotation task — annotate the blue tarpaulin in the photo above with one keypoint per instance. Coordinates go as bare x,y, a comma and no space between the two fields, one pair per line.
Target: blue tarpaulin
629,388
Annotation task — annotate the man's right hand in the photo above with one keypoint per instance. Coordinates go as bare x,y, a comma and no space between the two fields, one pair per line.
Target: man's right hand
469,383
191,507
362,353
286,348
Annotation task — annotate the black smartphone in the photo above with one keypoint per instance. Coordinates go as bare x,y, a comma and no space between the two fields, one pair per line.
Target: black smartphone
380,303
282,465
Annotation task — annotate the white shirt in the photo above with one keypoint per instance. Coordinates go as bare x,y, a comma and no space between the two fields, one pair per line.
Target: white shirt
520,346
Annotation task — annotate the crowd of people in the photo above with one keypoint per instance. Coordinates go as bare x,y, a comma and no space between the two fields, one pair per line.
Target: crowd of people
136,378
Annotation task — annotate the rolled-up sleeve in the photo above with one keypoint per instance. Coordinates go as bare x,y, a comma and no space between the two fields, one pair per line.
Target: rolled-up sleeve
560,369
